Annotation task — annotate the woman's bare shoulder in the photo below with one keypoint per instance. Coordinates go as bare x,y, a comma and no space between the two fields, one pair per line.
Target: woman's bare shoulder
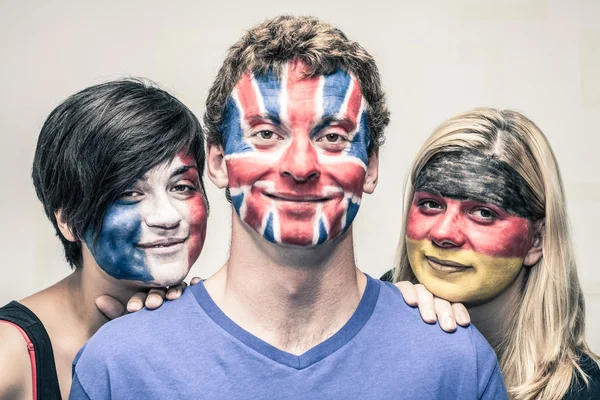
15,364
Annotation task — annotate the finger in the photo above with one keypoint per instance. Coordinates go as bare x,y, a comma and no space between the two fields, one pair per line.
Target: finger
136,302
195,280
445,314
408,292
461,314
156,296
426,307
175,292
110,307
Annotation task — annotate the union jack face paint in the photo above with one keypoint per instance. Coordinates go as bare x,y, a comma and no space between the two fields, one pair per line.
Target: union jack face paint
296,152
466,242
155,231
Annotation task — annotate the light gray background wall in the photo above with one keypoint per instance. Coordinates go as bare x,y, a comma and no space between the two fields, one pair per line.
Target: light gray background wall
437,58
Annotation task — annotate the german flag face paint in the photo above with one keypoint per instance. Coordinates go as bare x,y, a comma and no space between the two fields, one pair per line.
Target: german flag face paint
468,228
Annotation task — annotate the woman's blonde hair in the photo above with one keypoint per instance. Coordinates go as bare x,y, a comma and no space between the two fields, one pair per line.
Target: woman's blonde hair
543,340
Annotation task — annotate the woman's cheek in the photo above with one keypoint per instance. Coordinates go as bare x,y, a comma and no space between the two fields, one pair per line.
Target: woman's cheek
417,224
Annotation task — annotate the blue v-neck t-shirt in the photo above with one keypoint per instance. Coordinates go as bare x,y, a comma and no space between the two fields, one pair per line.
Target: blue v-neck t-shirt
189,349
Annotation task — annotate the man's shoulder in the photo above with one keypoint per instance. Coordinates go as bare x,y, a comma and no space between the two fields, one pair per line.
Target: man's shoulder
142,328
136,347
399,320
412,348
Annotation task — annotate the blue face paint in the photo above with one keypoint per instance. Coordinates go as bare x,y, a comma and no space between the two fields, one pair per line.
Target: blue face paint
301,114
116,252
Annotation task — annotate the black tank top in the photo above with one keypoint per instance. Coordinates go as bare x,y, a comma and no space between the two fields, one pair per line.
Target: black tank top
46,377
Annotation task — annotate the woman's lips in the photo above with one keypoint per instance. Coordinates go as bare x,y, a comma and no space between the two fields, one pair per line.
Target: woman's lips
446,265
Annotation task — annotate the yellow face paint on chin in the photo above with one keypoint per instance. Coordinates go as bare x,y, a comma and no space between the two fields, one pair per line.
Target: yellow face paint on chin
461,275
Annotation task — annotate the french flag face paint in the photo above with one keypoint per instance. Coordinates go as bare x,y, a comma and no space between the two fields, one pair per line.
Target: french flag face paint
155,231
296,153
461,243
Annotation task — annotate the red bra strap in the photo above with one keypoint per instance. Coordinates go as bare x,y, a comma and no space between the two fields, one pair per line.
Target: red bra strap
31,350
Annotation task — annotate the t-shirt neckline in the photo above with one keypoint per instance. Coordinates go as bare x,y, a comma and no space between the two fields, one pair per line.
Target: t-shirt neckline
317,353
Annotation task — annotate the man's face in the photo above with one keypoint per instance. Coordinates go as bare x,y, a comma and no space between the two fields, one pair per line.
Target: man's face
296,153
155,231
468,230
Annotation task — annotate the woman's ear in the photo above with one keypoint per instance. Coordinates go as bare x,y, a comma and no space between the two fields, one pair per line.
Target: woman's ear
64,227
216,166
535,253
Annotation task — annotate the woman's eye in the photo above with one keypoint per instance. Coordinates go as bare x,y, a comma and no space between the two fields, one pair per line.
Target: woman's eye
430,204
183,188
130,195
485,214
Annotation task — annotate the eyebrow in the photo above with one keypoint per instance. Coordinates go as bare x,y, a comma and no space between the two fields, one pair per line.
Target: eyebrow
183,169
258,117
332,119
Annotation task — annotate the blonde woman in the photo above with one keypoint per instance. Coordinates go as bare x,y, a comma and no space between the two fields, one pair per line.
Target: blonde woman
486,225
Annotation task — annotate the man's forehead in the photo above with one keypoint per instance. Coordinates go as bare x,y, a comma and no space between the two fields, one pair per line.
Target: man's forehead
294,74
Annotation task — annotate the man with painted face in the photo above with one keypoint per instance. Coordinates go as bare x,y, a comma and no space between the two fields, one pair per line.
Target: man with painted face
295,118
118,170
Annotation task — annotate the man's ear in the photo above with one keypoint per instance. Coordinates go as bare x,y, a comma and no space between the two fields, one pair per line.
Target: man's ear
372,173
216,166
535,253
64,227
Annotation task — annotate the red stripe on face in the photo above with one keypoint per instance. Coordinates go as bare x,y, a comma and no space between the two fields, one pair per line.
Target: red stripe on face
296,223
354,102
198,213
301,99
451,223
247,97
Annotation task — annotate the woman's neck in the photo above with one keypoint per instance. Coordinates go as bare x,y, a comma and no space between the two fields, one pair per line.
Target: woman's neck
491,318
69,306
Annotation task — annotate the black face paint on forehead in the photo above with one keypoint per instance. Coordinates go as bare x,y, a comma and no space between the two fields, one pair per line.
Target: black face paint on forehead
468,174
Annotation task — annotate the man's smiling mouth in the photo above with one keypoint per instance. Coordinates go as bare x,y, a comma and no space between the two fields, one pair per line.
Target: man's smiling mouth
297,198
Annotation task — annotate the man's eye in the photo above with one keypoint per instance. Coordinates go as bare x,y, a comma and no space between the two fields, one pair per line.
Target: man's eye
266,134
333,137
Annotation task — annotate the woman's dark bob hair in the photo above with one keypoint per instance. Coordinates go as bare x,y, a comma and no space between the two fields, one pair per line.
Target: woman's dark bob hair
101,140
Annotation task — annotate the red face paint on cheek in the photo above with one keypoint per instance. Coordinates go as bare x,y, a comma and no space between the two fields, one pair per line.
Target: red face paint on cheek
284,182
197,215
198,219
454,223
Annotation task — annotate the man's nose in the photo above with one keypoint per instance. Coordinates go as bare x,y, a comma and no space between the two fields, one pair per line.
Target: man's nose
300,160
447,231
161,213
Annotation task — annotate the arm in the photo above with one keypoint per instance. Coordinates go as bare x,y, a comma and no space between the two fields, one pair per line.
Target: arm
15,365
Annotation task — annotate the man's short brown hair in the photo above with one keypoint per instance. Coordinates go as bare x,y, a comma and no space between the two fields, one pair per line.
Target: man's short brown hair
322,47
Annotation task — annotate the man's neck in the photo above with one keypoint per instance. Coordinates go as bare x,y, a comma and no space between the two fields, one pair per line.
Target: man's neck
291,297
